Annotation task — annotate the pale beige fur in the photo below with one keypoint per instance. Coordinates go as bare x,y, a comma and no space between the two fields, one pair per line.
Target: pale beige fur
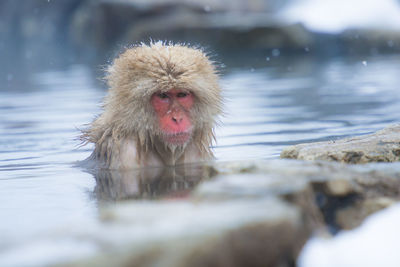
126,135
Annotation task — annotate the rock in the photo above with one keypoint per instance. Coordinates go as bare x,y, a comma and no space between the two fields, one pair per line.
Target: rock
353,216
100,25
226,26
243,214
382,146
339,187
237,233
322,190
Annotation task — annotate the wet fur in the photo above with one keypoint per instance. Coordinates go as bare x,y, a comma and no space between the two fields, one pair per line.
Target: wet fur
126,135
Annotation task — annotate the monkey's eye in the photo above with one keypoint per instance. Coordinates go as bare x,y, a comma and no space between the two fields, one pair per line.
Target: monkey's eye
182,94
163,95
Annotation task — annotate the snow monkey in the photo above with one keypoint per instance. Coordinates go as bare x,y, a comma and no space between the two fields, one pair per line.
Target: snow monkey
161,108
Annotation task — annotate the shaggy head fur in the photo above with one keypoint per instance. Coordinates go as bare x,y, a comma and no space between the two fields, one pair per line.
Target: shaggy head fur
140,72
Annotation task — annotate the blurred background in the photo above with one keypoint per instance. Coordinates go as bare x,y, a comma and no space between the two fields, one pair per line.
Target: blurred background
47,34
293,71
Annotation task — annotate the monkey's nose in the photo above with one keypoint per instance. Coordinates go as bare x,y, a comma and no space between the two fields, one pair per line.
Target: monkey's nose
177,119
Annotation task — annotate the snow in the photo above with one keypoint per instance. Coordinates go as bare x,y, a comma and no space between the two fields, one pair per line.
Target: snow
334,16
374,243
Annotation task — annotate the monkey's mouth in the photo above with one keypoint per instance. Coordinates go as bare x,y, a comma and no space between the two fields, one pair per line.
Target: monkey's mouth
177,138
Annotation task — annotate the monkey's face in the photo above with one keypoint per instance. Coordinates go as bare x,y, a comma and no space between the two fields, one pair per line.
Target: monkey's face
172,109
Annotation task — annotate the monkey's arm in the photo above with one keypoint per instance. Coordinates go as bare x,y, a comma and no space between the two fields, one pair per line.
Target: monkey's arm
116,154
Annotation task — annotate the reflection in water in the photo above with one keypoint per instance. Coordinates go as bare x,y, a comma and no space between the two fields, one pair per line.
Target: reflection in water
150,183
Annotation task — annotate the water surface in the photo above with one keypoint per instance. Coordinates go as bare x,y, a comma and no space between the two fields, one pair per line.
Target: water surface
266,109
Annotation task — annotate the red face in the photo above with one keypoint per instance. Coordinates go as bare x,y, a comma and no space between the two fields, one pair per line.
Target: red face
173,110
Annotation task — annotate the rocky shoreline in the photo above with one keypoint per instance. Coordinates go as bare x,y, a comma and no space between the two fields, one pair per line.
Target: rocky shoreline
382,146
243,213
